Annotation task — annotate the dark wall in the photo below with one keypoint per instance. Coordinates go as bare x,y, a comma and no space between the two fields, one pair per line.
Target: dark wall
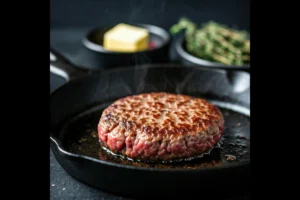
164,13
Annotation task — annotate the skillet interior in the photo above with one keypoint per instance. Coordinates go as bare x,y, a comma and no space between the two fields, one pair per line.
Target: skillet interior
79,136
75,102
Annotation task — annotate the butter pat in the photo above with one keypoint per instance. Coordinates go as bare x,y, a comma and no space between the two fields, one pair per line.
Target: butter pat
126,38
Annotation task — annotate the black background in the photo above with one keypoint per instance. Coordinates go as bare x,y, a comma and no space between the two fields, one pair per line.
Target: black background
164,13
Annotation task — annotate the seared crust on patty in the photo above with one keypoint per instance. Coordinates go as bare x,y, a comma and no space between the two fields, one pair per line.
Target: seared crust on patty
160,126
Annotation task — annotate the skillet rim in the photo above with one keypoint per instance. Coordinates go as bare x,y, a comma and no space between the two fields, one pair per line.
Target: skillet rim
62,150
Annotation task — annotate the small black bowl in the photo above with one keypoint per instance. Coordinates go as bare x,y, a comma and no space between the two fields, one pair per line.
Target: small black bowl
97,58
188,59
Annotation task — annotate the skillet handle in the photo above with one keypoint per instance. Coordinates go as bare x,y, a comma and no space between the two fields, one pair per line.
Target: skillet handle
60,66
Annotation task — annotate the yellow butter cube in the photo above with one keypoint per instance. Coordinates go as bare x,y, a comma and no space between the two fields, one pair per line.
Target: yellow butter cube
126,38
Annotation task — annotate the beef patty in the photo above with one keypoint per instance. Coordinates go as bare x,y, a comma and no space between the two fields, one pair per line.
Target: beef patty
160,126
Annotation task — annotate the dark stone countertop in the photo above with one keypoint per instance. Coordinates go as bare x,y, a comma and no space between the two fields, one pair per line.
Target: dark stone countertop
65,187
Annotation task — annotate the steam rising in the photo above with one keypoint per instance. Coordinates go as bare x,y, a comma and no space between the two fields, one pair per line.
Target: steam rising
136,9
139,7
140,76
189,83
180,86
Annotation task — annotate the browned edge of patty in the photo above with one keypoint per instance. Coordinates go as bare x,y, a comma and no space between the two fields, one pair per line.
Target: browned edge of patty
160,126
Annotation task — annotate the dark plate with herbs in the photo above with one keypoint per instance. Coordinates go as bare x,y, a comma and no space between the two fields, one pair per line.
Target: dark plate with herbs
212,45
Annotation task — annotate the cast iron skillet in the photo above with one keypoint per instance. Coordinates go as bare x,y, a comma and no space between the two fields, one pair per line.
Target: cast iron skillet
76,108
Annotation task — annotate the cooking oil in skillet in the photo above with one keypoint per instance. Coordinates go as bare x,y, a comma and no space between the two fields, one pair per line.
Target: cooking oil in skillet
233,147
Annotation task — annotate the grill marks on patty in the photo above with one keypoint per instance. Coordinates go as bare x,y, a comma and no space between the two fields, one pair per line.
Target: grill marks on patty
160,126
